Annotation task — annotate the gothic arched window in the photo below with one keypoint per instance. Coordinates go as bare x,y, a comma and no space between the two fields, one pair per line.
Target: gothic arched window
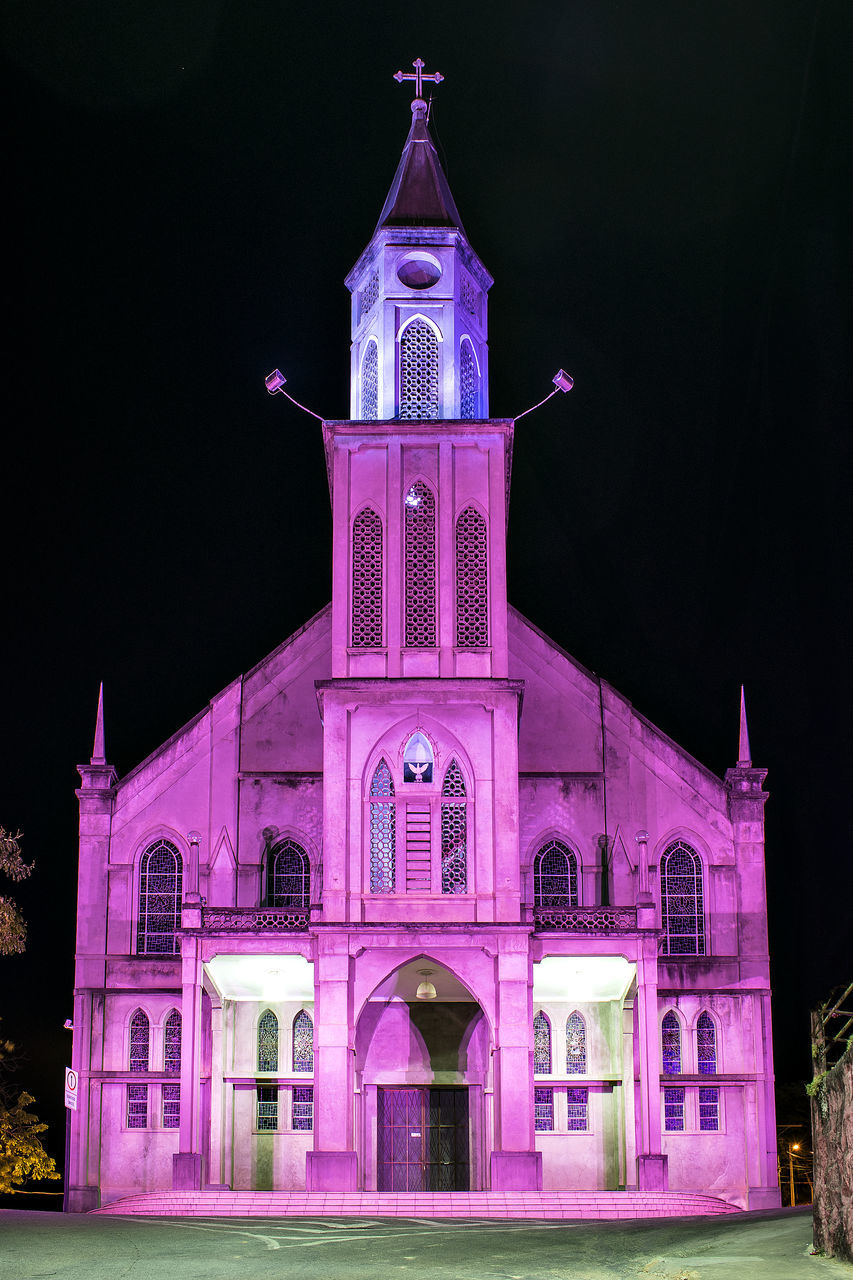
469,381
555,876
706,1045
454,832
419,517
160,878
370,383
303,1042
472,581
418,371
172,1044
682,906
575,1045
136,1113
670,1032
367,580
418,759
383,831
268,1041
288,876
541,1045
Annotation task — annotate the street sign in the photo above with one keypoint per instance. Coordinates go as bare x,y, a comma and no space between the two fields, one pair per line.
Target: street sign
70,1089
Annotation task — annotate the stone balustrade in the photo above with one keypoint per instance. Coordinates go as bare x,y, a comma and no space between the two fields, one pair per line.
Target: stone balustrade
585,919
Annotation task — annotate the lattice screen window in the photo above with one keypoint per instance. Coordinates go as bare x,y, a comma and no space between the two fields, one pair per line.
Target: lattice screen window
172,1044
541,1045
575,1045
370,383
267,1107
367,580
706,1045
418,372
682,907
419,507
303,1042
171,1106
543,1109
137,1106
670,1045
160,878
472,581
470,297
673,1110
369,296
383,831
555,876
302,1116
454,832
577,1107
709,1110
140,1035
288,876
469,381
268,1041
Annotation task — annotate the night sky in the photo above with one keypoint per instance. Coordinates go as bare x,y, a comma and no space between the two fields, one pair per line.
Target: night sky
662,191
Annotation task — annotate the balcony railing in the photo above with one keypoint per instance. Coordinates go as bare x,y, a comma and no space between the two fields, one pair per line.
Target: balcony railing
254,919
586,919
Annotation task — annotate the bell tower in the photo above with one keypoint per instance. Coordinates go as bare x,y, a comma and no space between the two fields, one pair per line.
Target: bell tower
419,298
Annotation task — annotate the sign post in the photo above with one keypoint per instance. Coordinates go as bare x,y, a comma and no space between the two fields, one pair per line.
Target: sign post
71,1089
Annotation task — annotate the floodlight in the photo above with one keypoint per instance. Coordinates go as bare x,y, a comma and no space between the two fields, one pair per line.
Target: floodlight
274,381
563,381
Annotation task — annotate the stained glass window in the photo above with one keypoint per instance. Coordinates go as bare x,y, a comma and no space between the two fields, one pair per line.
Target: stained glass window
541,1045
137,1106
268,1041
543,1109
671,1045
577,1109
706,1045
454,832
419,517
172,1044
383,831
160,875
575,1045
673,1110
468,381
267,1106
171,1106
367,580
288,880
682,909
370,383
303,1107
472,581
418,372
418,759
140,1031
555,876
709,1110
303,1042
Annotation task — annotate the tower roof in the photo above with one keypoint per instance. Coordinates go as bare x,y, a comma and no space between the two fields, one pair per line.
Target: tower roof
419,195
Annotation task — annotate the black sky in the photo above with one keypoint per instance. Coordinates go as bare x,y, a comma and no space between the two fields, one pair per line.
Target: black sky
662,191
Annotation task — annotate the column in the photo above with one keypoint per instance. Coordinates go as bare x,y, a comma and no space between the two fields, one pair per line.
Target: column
652,1172
187,1170
515,1164
332,1165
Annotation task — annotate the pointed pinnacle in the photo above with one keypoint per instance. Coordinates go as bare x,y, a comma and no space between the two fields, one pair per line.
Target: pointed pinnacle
98,756
744,759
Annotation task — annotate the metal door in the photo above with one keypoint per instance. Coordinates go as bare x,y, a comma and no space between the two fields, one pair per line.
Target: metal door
423,1140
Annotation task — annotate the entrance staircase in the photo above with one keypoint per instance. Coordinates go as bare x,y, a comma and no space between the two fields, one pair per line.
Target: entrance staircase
421,1204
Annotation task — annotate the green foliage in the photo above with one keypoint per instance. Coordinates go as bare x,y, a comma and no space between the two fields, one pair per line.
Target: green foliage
814,1087
13,926
22,1156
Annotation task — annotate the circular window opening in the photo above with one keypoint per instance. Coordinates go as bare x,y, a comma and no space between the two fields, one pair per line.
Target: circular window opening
419,270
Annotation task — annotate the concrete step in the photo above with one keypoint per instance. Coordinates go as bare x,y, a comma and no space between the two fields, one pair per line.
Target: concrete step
421,1204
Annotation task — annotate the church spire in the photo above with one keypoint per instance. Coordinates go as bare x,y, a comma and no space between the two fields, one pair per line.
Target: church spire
744,759
98,749
420,195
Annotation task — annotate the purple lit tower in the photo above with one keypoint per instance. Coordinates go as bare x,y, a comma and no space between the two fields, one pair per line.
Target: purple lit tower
420,903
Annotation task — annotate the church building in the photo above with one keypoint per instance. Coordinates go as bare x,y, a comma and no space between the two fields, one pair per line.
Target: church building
420,903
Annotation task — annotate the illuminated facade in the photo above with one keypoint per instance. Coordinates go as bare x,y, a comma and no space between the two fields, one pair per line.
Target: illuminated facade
420,903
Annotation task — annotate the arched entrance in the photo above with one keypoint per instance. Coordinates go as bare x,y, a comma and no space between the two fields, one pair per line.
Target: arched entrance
422,1065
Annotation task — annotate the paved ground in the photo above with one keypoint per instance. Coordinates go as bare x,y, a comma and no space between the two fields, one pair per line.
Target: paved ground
765,1246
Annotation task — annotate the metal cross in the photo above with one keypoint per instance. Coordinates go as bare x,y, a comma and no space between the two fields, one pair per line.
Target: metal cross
419,76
